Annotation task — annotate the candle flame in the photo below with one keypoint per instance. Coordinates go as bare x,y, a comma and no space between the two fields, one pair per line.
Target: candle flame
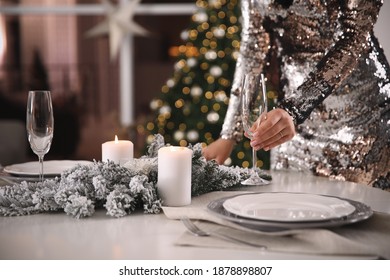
116,139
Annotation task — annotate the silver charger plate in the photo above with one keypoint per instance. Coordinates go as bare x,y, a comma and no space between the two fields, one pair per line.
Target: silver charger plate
6,179
361,213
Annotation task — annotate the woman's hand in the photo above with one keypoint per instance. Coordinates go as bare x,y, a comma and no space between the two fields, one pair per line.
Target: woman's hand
219,150
275,129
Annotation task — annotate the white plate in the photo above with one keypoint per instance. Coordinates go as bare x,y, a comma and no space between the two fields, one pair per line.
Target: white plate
288,207
50,167
362,212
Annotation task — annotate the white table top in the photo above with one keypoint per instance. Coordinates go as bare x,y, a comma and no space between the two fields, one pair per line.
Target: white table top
151,237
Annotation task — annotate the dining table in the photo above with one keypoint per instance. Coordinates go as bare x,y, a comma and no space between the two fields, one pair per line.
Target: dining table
140,236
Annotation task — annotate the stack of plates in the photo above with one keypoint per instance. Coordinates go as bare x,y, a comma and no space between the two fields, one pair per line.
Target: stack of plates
284,211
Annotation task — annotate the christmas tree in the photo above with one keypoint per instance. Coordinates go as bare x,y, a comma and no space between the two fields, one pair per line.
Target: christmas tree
193,103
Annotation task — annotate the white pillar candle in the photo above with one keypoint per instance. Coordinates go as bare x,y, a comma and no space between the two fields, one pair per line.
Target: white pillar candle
174,175
118,151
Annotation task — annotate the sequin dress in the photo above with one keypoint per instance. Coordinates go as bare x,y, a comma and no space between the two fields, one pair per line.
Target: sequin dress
333,79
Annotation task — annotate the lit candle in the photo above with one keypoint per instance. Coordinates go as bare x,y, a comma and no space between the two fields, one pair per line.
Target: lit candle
174,175
118,151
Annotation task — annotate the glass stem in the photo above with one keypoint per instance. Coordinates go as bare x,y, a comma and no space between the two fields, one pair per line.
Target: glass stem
41,167
254,160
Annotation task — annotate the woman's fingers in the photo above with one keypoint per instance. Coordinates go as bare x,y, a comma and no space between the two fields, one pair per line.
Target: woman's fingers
275,130
273,141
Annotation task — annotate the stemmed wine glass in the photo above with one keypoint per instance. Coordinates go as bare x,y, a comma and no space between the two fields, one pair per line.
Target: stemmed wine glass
40,124
253,109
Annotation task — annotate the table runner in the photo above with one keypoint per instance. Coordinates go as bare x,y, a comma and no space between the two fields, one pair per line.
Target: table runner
364,239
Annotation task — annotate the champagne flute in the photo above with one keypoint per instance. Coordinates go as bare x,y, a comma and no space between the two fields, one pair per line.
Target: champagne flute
253,109
40,124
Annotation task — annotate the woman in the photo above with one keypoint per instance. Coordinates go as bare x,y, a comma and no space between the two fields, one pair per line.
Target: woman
333,115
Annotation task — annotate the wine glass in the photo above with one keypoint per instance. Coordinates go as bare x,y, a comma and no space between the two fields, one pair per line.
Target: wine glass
40,124
253,109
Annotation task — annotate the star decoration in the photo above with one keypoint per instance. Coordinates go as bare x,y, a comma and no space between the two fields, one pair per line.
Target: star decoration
118,23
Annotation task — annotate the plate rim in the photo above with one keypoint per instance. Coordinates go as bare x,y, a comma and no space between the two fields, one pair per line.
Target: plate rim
284,220
8,169
362,212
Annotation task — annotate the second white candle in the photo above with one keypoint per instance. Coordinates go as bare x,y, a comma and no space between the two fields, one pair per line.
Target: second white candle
118,151
174,175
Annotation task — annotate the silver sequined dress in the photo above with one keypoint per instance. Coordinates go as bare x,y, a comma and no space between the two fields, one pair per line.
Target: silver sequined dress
333,79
